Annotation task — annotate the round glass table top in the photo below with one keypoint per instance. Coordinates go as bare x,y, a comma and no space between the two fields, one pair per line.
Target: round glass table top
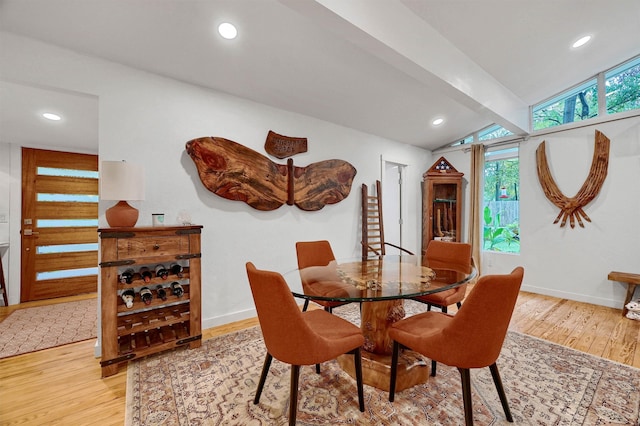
375,278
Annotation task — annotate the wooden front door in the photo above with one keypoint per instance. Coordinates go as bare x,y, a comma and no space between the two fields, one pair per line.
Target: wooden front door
59,224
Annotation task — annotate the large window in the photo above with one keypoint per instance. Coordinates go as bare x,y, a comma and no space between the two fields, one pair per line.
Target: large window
579,103
493,132
610,92
621,93
501,201
622,87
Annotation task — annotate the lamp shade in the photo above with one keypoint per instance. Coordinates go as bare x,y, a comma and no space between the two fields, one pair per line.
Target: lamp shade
120,180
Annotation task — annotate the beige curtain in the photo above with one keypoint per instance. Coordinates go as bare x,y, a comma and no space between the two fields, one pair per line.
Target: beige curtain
476,185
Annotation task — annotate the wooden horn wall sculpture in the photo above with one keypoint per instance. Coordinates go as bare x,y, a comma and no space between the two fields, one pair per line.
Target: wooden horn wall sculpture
236,172
572,208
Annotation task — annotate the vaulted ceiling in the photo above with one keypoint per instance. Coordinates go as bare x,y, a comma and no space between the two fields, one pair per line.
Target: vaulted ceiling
385,67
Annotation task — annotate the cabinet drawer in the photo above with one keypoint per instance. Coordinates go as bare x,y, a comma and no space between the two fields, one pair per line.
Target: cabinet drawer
141,247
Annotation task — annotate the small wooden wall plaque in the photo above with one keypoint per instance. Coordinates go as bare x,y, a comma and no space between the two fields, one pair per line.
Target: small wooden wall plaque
281,146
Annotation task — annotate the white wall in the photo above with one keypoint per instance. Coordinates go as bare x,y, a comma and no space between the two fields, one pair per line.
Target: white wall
574,263
146,118
566,262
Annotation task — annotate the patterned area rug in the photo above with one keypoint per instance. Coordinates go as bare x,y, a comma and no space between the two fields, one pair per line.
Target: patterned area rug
546,384
34,329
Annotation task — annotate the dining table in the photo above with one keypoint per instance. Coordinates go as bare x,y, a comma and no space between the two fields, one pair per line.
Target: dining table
379,284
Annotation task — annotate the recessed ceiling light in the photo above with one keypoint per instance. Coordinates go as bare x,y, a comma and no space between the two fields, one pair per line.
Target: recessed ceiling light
581,41
51,116
437,121
227,31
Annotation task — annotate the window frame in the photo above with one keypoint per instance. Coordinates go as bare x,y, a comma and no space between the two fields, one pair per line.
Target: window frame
603,115
613,72
563,96
492,155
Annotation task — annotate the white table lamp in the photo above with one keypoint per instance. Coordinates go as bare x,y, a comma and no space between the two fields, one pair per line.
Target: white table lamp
122,182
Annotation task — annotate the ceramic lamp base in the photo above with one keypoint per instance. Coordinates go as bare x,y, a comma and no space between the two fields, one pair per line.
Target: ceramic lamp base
122,215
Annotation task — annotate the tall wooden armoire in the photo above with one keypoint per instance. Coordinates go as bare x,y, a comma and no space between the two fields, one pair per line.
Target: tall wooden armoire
441,203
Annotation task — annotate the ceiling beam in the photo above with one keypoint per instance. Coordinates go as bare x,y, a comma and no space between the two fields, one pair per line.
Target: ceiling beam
392,32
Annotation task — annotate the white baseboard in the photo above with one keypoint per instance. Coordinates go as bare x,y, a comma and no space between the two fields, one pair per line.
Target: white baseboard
228,318
574,296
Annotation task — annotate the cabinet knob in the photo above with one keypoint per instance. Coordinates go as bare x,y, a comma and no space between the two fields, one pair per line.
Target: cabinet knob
156,246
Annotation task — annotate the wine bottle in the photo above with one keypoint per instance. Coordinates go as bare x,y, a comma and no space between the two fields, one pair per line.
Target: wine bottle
161,292
146,295
146,274
126,277
127,297
162,272
176,269
177,289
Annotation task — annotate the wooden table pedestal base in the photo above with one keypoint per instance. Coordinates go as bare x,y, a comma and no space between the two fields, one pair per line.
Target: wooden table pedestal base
413,369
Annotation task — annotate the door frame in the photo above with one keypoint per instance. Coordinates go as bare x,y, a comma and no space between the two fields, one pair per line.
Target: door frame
402,205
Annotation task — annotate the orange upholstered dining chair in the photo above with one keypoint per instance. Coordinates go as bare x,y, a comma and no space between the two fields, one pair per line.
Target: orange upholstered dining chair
447,255
315,253
299,338
472,338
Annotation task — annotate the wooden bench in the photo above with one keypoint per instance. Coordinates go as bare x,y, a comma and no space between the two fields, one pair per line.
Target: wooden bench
632,281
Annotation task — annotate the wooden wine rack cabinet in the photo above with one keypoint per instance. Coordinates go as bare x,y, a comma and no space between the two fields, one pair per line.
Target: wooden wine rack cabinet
142,330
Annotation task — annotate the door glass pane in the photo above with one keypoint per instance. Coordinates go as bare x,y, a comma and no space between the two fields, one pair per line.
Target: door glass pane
71,198
63,223
67,273
49,171
67,248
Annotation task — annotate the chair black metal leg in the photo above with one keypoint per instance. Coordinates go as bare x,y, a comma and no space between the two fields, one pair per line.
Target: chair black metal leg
503,397
394,370
466,395
428,307
444,309
306,305
293,399
263,377
317,368
357,362
433,368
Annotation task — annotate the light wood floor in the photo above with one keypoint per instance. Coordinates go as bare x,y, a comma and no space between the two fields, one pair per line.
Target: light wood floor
63,385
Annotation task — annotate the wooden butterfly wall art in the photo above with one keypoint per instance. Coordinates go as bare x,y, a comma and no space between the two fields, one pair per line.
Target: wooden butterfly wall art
235,172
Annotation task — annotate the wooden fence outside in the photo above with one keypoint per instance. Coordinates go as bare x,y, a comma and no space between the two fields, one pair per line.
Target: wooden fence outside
509,211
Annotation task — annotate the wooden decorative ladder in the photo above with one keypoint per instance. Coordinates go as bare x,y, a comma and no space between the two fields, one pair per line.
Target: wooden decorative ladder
372,225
